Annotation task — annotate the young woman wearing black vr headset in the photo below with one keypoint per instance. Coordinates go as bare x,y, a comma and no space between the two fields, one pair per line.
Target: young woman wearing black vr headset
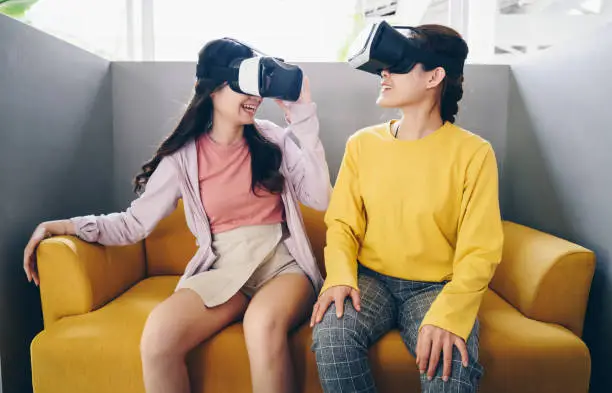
241,181
414,227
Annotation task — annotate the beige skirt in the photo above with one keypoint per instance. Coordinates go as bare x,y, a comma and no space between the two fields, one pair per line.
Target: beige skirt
247,258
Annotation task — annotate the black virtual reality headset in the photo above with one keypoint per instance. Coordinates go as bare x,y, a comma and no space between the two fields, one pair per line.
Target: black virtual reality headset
262,76
381,46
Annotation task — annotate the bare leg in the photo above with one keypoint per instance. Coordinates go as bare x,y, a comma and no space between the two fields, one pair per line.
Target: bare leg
280,305
173,328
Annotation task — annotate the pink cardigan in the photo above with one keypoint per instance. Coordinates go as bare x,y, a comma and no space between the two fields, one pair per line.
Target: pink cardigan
307,181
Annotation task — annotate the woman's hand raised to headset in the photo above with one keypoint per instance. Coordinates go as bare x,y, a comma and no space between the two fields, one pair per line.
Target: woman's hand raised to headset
305,98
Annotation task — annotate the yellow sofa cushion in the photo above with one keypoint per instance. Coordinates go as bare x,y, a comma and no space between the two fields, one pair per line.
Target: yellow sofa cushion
545,277
99,352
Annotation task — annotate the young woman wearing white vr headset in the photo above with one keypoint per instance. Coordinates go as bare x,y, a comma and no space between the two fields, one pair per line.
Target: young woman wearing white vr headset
241,181
414,227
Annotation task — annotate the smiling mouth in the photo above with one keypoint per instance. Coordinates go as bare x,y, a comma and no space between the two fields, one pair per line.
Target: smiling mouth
249,108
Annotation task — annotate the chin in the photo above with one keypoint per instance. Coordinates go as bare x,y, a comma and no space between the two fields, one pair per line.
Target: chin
385,102
246,120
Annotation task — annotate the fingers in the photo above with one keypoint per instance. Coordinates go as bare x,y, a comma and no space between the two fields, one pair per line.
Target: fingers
434,357
448,360
324,303
430,343
418,349
283,106
313,317
27,256
305,93
29,264
338,296
34,274
306,84
424,352
465,358
356,299
339,300
285,109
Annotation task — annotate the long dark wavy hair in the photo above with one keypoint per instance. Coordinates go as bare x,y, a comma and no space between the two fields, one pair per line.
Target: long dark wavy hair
266,156
446,41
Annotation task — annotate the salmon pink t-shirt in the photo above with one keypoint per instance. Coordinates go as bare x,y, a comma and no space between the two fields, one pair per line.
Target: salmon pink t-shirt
224,173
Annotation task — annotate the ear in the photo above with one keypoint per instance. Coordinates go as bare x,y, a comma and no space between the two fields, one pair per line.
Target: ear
436,76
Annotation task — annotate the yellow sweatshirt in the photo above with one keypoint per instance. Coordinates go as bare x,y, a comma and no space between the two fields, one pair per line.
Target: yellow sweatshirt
422,210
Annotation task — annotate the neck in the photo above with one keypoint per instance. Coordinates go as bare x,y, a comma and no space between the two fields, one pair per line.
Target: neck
224,132
419,121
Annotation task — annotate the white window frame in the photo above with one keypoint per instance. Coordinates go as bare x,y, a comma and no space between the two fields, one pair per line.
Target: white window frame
140,30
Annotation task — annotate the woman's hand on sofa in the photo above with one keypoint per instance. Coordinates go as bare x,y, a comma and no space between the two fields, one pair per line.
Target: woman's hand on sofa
43,231
433,340
335,295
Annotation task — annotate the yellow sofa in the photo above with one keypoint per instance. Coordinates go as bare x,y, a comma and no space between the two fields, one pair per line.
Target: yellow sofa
95,301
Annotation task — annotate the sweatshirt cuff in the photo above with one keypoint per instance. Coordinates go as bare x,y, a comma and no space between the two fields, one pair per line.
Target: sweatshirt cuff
86,228
300,112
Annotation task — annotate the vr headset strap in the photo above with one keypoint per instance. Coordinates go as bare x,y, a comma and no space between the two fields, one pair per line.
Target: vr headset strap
221,73
452,65
253,49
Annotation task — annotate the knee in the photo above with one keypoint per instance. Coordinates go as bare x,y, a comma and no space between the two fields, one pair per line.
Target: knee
462,379
159,339
263,330
333,331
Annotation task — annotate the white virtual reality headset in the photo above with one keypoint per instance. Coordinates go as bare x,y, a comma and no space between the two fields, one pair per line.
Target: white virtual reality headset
381,46
263,76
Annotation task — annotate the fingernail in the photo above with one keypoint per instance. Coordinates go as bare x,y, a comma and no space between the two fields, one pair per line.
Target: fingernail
422,372
429,378
465,364
445,378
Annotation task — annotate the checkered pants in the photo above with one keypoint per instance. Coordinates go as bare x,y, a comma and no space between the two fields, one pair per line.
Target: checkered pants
341,345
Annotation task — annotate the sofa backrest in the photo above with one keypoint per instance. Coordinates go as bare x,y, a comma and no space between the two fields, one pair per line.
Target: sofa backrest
544,277
315,229
171,245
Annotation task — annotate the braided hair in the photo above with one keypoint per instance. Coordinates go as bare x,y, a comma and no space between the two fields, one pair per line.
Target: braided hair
446,41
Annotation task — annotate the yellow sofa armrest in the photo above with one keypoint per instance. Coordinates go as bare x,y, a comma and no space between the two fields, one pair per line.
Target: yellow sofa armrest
77,277
546,278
